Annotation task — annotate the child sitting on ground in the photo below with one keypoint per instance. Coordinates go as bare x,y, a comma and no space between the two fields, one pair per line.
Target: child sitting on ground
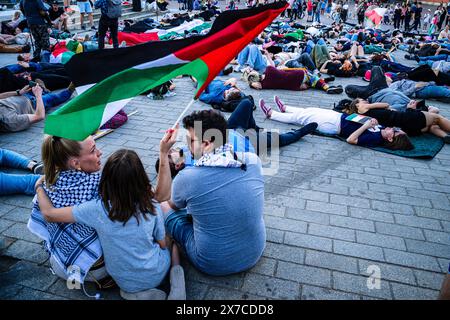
130,225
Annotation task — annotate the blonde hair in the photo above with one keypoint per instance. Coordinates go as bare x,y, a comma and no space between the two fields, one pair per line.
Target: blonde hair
56,152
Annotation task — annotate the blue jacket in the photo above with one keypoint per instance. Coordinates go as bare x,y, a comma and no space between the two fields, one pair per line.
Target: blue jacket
214,92
31,9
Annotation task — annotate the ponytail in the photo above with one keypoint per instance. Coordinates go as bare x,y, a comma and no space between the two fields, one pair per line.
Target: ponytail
56,152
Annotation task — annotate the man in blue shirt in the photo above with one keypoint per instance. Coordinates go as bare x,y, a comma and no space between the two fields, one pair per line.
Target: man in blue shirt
216,208
219,91
36,13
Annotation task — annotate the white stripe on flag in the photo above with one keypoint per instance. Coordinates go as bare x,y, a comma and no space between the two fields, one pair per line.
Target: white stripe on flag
164,61
112,108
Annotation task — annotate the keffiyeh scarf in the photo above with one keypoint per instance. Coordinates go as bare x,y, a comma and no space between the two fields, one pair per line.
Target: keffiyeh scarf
71,244
223,156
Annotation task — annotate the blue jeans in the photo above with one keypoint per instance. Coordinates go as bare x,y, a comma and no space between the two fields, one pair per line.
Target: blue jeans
16,183
439,57
394,66
303,61
436,92
51,99
317,17
252,57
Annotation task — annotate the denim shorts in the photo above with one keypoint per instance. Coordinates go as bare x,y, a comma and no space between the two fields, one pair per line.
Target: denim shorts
85,6
179,225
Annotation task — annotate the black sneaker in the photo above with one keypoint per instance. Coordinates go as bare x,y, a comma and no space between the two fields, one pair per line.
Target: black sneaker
38,168
447,139
335,90
329,79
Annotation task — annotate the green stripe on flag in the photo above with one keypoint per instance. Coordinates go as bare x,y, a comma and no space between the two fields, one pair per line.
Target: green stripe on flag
81,116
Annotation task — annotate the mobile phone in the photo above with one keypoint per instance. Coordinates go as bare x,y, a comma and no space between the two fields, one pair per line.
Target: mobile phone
32,84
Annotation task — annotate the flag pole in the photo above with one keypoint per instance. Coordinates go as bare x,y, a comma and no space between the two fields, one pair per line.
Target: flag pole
183,113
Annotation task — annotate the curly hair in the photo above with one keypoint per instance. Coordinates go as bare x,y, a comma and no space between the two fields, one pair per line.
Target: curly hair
210,120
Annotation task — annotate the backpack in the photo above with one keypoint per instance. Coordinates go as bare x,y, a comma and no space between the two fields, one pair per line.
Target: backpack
114,9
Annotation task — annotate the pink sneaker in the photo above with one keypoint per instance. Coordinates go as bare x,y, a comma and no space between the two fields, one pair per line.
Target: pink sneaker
279,104
264,108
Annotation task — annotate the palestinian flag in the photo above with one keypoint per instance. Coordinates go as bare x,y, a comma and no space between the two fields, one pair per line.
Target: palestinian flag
108,79
64,51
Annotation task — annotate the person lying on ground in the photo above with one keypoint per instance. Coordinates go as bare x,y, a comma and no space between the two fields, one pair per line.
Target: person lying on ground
244,135
297,80
335,123
22,108
412,121
219,91
13,183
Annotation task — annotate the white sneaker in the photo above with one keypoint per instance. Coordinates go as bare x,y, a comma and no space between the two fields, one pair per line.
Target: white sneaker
151,294
177,284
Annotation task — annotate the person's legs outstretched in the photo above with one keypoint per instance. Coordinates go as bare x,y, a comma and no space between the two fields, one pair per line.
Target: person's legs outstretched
242,116
305,59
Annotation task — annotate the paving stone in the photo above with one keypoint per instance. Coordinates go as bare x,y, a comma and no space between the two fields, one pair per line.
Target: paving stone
20,231
380,240
5,224
317,293
388,272
308,241
196,290
409,259
284,252
18,215
265,266
273,235
308,216
285,224
404,292
369,194
28,251
233,281
359,285
430,280
392,207
374,215
217,293
5,208
31,294
428,248
271,287
352,223
29,275
8,292
332,232
438,237
397,230
304,274
326,207
418,222
331,261
433,213
350,201
357,250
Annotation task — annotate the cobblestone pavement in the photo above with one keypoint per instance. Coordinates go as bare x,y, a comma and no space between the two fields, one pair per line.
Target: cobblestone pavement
331,211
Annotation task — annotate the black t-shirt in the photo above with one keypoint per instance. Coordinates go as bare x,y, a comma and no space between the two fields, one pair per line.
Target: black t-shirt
55,14
411,121
334,69
367,138
418,14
